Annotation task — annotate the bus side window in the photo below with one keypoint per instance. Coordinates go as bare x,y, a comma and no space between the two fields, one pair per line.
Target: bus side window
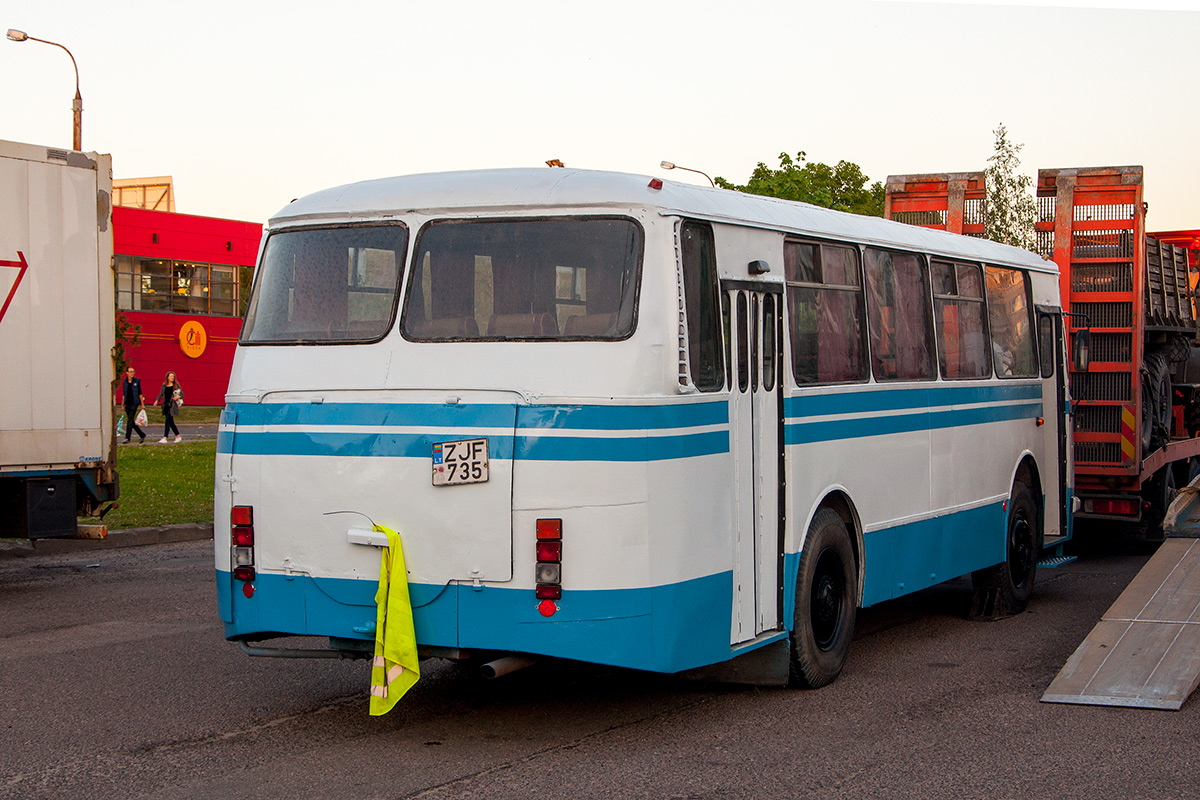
962,334
1011,321
743,350
898,316
769,346
702,306
825,312
1046,341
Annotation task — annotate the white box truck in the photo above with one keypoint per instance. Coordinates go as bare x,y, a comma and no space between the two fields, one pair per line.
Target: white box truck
57,445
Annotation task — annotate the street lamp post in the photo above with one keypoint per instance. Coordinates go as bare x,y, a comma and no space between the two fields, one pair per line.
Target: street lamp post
77,106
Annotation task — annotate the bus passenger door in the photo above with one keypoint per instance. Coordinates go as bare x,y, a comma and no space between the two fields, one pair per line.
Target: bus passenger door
1056,411
755,443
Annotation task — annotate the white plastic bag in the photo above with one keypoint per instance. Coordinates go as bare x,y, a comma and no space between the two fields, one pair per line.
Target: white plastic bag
141,419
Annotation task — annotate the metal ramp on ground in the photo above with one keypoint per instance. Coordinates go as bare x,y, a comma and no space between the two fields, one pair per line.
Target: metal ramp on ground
1145,651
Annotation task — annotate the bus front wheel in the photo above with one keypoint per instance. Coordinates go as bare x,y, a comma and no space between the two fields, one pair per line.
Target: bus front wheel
826,603
1005,589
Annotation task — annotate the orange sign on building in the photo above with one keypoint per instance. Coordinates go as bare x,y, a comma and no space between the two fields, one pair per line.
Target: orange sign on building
192,339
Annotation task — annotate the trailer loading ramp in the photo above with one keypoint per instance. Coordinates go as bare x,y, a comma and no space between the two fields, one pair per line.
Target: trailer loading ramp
1145,651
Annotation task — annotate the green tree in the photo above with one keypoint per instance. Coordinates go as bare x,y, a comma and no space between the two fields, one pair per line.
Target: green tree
1011,208
127,336
842,187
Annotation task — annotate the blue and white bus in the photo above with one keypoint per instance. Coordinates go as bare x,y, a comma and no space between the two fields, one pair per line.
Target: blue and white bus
632,422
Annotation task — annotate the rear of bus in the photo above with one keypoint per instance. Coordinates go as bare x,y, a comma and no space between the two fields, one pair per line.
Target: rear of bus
498,382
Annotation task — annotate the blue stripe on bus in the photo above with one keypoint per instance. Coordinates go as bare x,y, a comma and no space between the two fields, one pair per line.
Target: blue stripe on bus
484,415
661,628
419,445
879,399
861,427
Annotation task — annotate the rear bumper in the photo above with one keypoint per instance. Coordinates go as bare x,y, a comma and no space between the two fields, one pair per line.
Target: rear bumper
660,628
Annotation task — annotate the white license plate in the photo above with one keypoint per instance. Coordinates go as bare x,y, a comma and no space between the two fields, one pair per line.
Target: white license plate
460,462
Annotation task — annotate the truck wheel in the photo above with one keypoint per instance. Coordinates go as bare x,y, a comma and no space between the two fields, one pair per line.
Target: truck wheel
1005,589
1156,402
1159,493
826,603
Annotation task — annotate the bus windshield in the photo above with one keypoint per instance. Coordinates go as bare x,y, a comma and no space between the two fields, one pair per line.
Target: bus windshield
327,285
524,279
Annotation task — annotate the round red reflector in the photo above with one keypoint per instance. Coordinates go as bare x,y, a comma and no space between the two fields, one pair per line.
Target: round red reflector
248,589
546,607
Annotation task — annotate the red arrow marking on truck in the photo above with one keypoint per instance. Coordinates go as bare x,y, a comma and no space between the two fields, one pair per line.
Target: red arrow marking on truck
21,266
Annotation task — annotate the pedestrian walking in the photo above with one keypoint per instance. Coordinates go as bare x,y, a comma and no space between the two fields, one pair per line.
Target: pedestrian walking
132,399
171,397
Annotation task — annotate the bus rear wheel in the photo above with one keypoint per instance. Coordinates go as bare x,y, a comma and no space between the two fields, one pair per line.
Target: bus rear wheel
826,603
1005,589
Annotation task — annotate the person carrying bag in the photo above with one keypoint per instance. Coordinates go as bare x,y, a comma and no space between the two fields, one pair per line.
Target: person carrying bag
135,405
171,397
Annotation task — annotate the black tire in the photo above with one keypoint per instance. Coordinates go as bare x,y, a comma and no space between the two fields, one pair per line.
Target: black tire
1147,411
1156,403
826,603
1005,589
1159,493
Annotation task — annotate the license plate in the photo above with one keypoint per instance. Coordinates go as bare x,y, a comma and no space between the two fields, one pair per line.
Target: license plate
460,462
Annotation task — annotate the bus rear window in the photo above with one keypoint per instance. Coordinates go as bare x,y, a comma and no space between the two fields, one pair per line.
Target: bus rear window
528,279
326,285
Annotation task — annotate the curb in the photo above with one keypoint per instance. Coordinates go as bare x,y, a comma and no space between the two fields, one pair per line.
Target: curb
131,537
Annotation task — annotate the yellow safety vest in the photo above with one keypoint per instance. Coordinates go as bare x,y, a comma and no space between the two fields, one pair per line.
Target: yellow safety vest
395,668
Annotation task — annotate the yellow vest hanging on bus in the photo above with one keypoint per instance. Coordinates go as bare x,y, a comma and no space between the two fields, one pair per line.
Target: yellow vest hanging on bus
395,668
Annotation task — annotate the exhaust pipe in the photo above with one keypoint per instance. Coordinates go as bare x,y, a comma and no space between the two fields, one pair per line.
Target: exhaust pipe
503,666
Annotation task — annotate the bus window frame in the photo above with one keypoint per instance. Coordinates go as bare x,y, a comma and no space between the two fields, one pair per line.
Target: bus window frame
787,311
957,297
415,254
401,270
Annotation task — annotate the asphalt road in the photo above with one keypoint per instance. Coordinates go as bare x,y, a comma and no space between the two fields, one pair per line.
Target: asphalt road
117,683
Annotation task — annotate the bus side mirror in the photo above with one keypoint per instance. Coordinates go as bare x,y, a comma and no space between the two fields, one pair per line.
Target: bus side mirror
1081,345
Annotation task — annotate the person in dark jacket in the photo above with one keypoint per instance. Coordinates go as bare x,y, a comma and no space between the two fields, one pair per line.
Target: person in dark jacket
132,399
171,397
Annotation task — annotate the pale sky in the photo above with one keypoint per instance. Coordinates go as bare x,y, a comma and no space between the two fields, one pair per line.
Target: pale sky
250,104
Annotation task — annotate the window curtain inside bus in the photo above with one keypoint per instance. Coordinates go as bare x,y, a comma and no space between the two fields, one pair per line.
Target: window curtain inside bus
963,348
898,315
1009,312
825,317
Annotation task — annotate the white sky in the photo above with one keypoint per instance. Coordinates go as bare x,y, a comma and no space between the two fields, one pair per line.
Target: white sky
250,104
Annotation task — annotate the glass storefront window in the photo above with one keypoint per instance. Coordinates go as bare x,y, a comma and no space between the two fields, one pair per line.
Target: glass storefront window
181,287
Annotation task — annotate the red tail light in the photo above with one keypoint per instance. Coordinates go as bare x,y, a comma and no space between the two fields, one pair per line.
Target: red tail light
1122,507
548,574
549,551
241,519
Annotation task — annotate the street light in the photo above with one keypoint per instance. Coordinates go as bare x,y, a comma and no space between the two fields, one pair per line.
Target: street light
669,165
77,139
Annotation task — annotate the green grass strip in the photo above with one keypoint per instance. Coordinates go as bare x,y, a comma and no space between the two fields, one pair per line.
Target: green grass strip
164,484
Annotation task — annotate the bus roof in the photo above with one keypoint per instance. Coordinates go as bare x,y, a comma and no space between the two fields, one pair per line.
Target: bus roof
483,192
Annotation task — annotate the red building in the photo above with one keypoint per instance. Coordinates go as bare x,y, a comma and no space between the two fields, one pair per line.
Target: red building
184,280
